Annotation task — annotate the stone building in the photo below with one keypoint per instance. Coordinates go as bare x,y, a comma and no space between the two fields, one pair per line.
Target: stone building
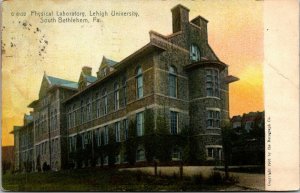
175,78
23,145
248,144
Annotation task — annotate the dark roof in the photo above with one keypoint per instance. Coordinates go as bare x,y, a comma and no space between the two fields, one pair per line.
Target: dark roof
148,48
28,118
62,82
108,61
90,79
236,118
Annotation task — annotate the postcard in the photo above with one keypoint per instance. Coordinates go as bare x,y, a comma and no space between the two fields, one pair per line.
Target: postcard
150,95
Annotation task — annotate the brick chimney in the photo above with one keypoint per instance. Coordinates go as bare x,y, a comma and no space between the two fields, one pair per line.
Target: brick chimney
87,70
202,23
180,18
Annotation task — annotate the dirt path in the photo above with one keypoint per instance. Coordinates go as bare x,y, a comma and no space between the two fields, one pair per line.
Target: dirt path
247,181
252,181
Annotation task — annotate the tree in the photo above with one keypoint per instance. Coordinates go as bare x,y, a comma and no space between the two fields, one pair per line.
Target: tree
163,147
227,134
149,138
131,144
192,153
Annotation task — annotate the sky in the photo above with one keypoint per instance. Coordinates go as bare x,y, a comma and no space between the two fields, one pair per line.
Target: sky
30,48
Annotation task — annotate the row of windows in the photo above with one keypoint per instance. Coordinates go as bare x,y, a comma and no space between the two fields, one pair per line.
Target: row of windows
213,119
140,156
26,140
41,123
99,105
43,148
102,134
94,108
212,83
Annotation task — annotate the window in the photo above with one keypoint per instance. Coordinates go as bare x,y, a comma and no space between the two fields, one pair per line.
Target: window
172,82
213,118
176,154
104,95
70,144
74,139
116,96
140,123
125,158
248,126
140,154
118,159
98,162
124,91
51,121
210,152
55,119
98,137
105,161
214,152
117,131
104,71
125,126
174,123
105,135
194,53
139,83
212,83
82,112
88,109
97,105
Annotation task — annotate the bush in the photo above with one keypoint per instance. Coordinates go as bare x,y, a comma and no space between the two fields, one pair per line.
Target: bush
197,179
215,178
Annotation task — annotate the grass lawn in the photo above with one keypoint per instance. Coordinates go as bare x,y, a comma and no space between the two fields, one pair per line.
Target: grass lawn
106,180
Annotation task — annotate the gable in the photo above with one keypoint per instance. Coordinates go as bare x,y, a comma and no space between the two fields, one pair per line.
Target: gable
45,85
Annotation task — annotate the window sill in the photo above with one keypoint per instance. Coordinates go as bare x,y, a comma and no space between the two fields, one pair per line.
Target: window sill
213,97
211,128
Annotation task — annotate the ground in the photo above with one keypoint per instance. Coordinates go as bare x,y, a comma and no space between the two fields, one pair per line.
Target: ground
115,180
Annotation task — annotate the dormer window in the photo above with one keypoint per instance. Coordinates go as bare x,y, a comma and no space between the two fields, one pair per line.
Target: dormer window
194,53
104,71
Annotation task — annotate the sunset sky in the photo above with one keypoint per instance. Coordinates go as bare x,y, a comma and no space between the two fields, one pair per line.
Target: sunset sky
235,32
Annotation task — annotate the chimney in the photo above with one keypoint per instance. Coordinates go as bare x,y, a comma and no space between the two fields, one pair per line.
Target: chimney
202,23
87,70
180,17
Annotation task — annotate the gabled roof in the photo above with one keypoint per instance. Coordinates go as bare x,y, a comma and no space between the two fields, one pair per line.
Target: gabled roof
108,62
89,78
62,82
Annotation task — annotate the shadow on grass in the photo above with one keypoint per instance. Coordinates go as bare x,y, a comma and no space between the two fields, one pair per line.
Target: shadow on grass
110,180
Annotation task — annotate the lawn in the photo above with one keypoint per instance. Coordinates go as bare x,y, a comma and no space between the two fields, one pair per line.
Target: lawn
108,180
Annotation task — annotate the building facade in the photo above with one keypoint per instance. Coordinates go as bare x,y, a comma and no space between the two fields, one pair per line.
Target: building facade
172,84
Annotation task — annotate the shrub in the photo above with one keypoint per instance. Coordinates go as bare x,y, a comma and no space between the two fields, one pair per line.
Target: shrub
215,178
197,179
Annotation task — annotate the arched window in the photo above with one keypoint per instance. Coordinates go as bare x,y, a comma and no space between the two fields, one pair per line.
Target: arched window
172,82
139,82
194,53
116,95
